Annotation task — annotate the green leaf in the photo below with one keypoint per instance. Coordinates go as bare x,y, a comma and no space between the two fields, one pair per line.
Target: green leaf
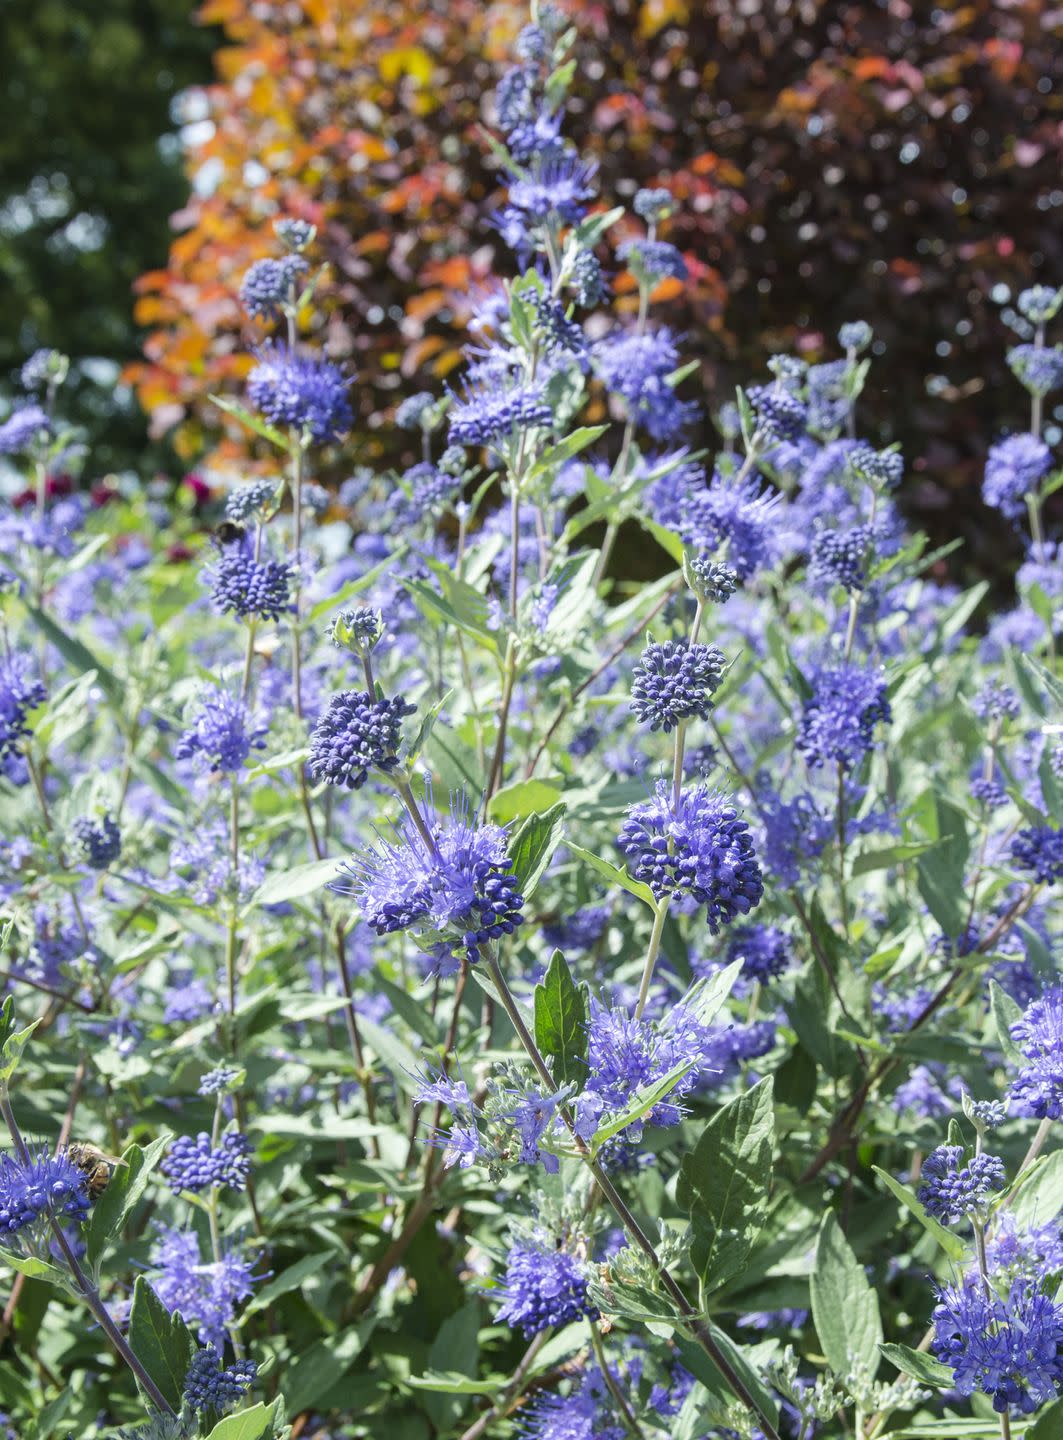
614,875
919,1366
160,1341
1048,1425
79,656
289,1279
557,455
326,1361
532,845
453,1383
941,868
1005,1014
248,1425
523,797
699,1365
890,857
724,1183
11,1054
591,229
561,1022
252,422
124,1191
464,608
1038,1200
952,1245
844,1306
32,1268
640,1104
293,884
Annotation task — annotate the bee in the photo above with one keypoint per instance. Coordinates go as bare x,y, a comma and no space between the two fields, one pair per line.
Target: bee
227,533
94,1164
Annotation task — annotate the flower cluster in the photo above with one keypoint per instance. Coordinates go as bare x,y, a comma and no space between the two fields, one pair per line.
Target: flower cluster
356,734
37,1184
953,1189
699,847
543,1287
212,1386
250,588
194,1163
99,841
673,682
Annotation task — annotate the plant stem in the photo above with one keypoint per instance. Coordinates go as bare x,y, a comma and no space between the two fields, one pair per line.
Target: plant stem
691,1319
630,1423
89,1292
651,955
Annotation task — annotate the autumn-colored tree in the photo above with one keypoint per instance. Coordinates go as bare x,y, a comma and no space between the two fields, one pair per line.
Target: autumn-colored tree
895,163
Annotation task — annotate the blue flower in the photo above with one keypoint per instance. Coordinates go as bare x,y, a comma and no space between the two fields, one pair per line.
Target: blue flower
248,502
40,1184
855,335
543,1287
1038,367
636,368
555,188
205,1293
222,734
780,415
1009,1349
995,701
653,260
267,285
100,841
1014,468
249,588
216,1080
1038,1087
1039,849
462,883
654,205
1039,303
209,1385
356,734
839,718
712,580
23,428
701,848
624,1053
194,1164
952,1190
839,557
763,950
489,413
20,692
673,682
739,514
301,390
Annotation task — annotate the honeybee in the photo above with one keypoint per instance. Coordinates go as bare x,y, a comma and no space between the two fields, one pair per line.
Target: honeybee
94,1164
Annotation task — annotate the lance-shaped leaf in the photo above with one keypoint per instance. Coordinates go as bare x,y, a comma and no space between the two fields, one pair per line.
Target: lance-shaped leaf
844,1306
160,1341
124,1189
561,1022
532,845
724,1182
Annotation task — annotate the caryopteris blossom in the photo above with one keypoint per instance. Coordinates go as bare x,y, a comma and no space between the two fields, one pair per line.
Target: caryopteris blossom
955,1189
764,951
780,415
269,284
25,427
248,587
303,391
840,557
1038,1087
543,1287
204,1292
38,1184
838,719
194,1163
1010,1349
212,1386
673,682
711,579
1039,850
20,692
1038,367
458,881
250,501
356,734
486,415
1014,468
636,368
222,734
700,847
99,841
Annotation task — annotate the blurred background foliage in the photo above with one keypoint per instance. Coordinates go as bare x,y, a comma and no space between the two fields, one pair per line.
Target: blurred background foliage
90,173
832,161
